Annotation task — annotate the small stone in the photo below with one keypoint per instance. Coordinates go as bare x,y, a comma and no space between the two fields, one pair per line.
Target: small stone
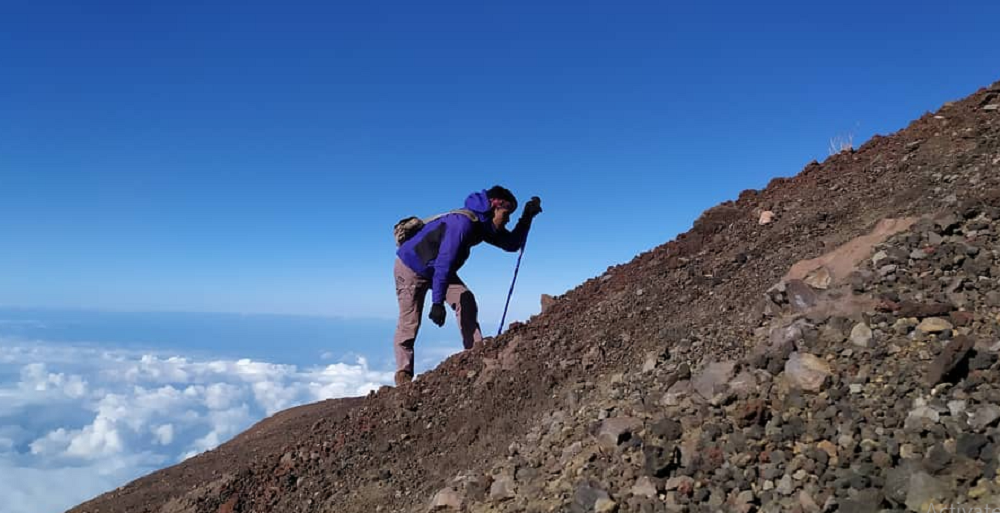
714,375
861,335
785,485
667,430
744,383
801,296
660,460
982,361
502,488
447,498
923,489
970,444
937,459
897,481
676,394
808,503
984,416
679,483
921,310
644,487
586,498
934,325
865,501
979,492
806,371
766,217
921,417
819,278
831,450
951,358
616,430
604,505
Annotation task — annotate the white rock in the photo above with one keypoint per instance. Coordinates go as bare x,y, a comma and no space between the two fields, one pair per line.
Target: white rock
923,489
676,394
644,487
677,481
956,408
861,335
920,417
713,375
984,416
605,505
819,278
785,485
447,498
806,371
502,489
615,430
934,325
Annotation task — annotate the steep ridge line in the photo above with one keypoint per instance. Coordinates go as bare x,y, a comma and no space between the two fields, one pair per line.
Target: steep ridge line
698,297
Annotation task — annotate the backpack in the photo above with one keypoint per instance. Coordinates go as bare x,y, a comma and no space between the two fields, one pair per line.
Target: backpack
407,227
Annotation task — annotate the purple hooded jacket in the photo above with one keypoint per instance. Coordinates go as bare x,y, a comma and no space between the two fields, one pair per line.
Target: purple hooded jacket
438,250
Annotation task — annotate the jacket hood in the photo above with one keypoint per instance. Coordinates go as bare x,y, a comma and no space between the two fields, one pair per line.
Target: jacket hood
480,204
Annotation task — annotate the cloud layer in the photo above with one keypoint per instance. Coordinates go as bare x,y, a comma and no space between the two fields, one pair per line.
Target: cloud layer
83,419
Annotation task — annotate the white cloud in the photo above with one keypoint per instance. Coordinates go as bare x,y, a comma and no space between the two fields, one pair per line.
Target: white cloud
99,417
164,434
35,376
52,443
99,439
219,396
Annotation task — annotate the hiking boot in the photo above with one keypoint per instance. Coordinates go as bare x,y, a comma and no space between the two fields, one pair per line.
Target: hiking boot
403,377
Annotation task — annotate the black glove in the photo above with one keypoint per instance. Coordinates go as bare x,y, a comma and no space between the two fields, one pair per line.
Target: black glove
437,314
532,208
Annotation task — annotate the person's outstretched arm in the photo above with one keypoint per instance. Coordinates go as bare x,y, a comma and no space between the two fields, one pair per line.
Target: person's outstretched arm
514,240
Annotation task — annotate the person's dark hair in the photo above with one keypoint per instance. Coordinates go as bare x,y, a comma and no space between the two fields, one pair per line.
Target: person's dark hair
497,192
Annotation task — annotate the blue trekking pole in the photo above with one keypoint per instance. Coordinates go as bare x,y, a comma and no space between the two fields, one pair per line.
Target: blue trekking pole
511,291
536,208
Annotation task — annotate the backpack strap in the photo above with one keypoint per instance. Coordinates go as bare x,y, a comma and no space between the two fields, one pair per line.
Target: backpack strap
464,211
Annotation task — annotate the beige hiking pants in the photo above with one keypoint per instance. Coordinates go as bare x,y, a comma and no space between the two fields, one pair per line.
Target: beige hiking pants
411,288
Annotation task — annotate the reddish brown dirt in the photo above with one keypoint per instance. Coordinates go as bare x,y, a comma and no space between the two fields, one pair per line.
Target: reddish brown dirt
392,450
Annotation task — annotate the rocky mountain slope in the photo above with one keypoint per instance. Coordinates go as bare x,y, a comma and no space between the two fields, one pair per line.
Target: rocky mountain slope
841,357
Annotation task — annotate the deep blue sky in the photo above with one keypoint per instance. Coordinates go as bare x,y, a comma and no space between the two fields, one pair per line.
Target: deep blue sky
252,157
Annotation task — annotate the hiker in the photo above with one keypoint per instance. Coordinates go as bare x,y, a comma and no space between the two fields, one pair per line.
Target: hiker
431,259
